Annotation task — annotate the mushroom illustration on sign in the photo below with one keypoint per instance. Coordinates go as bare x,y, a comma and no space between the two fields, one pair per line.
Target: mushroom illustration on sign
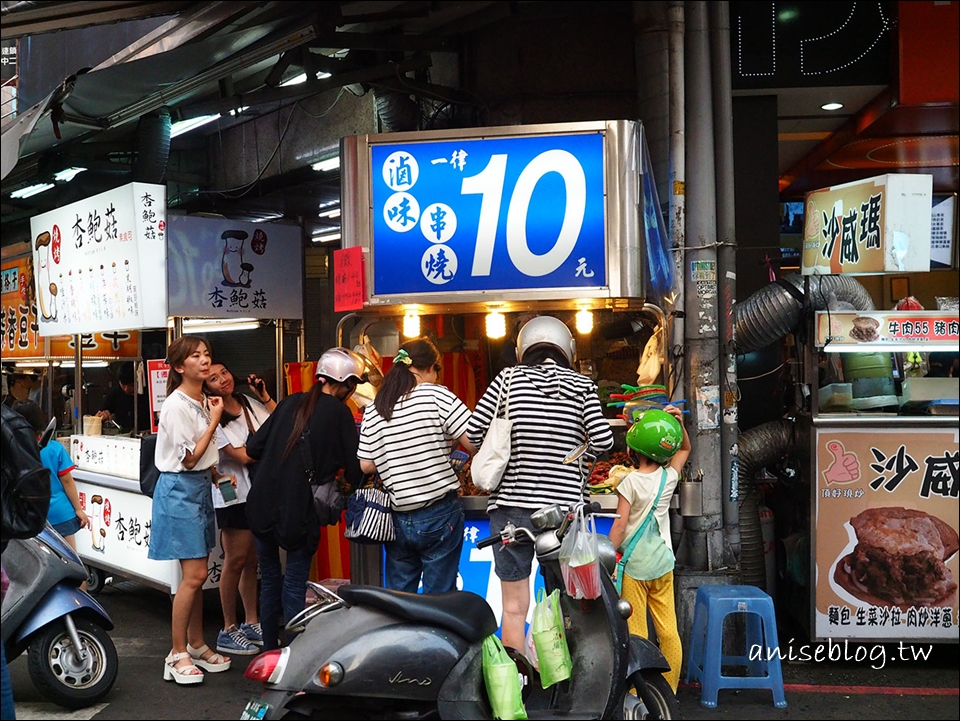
236,272
98,533
46,289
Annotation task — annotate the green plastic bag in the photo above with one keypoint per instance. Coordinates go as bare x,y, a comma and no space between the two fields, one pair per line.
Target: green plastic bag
502,679
550,639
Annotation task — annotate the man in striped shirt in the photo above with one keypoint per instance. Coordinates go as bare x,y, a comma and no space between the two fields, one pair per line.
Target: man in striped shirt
554,409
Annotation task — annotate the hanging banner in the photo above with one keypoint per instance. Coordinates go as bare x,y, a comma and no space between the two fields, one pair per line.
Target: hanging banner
20,337
877,225
886,533
87,261
220,268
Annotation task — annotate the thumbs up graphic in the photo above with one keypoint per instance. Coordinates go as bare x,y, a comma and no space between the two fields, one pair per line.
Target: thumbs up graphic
845,467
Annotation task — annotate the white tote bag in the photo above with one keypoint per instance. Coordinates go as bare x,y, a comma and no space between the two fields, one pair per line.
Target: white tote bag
490,461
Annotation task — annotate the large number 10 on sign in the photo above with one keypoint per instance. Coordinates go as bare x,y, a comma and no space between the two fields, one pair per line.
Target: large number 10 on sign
489,214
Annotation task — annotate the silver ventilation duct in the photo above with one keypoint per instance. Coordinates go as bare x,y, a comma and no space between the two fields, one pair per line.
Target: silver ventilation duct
775,310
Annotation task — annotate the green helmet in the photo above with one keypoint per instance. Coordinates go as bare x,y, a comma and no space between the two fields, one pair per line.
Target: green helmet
655,434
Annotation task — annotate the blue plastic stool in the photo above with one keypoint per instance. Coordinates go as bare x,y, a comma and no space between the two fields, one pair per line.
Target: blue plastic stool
706,663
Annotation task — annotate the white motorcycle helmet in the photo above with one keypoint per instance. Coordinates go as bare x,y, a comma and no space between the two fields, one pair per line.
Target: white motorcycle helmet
546,329
340,364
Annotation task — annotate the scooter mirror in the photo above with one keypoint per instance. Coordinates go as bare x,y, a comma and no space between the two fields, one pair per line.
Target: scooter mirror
575,454
48,432
547,517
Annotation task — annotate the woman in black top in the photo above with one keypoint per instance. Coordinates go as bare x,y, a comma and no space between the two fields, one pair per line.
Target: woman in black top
315,428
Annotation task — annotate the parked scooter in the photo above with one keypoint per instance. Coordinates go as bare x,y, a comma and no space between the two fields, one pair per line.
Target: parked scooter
366,652
71,658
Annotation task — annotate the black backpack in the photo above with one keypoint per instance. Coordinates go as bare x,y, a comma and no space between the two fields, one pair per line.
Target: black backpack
26,481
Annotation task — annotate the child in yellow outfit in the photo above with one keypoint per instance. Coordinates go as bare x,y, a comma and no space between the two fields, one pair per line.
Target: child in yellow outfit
659,447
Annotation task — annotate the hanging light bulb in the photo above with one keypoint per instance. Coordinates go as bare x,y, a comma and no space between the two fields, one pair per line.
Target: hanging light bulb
584,322
411,325
496,325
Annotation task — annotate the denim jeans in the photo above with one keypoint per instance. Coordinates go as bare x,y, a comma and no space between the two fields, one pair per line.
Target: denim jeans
278,590
428,543
7,708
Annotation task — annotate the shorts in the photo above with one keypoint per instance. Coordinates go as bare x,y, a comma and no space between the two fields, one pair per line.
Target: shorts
67,528
234,516
512,563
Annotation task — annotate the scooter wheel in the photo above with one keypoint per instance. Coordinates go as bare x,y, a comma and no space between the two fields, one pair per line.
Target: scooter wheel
649,696
96,580
61,676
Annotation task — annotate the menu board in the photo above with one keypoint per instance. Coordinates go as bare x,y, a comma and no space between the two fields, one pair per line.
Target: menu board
20,336
87,262
886,533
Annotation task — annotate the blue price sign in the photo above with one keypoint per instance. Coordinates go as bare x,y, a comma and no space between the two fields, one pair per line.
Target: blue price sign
489,214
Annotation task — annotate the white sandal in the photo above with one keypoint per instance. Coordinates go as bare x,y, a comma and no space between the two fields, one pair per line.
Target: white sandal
215,663
183,675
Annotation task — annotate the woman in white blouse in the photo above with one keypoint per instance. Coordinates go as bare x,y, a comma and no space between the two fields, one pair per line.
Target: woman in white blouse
183,521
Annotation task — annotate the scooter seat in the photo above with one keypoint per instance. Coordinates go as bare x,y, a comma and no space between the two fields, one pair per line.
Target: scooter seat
466,614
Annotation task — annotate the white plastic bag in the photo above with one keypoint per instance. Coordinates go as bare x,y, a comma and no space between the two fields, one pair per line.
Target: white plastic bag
580,559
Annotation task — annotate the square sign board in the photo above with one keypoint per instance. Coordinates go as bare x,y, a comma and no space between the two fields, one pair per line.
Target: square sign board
513,213
878,225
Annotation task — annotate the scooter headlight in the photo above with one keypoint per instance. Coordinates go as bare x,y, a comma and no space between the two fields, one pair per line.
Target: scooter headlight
330,674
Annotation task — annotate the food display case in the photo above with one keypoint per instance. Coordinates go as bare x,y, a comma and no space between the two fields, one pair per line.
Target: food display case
884,460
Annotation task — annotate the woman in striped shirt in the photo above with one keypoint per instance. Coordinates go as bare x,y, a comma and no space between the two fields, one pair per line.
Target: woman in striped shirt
554,409
406,436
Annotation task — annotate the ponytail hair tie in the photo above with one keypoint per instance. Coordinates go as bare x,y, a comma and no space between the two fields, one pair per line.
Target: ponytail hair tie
403,357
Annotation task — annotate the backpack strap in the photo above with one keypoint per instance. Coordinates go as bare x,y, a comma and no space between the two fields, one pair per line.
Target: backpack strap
305,454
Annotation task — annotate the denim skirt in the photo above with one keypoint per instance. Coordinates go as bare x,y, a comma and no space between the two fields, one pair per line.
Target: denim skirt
183,518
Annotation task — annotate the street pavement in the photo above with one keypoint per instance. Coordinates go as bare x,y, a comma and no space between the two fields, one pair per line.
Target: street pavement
893,689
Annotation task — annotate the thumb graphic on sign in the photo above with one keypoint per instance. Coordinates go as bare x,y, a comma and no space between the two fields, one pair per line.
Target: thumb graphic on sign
845,467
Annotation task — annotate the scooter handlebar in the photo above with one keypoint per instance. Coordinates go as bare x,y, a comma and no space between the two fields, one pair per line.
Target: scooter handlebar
489,541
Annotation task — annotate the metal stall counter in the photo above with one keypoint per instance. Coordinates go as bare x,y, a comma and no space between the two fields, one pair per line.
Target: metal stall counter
884,458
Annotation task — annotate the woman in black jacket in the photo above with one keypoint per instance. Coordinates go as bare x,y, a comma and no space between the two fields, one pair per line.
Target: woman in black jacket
313,431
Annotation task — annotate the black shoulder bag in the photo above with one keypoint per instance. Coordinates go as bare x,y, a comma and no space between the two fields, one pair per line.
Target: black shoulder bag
328,501
149,473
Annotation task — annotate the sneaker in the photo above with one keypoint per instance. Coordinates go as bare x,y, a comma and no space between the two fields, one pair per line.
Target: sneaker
231,640
253,632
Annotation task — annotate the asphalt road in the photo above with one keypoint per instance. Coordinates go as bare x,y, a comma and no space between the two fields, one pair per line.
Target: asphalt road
922,689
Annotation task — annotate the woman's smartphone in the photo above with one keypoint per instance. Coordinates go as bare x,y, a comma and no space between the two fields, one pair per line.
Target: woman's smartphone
227,490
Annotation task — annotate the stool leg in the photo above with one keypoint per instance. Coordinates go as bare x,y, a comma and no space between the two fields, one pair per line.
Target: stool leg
712,660
757,651
774,668
695,662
